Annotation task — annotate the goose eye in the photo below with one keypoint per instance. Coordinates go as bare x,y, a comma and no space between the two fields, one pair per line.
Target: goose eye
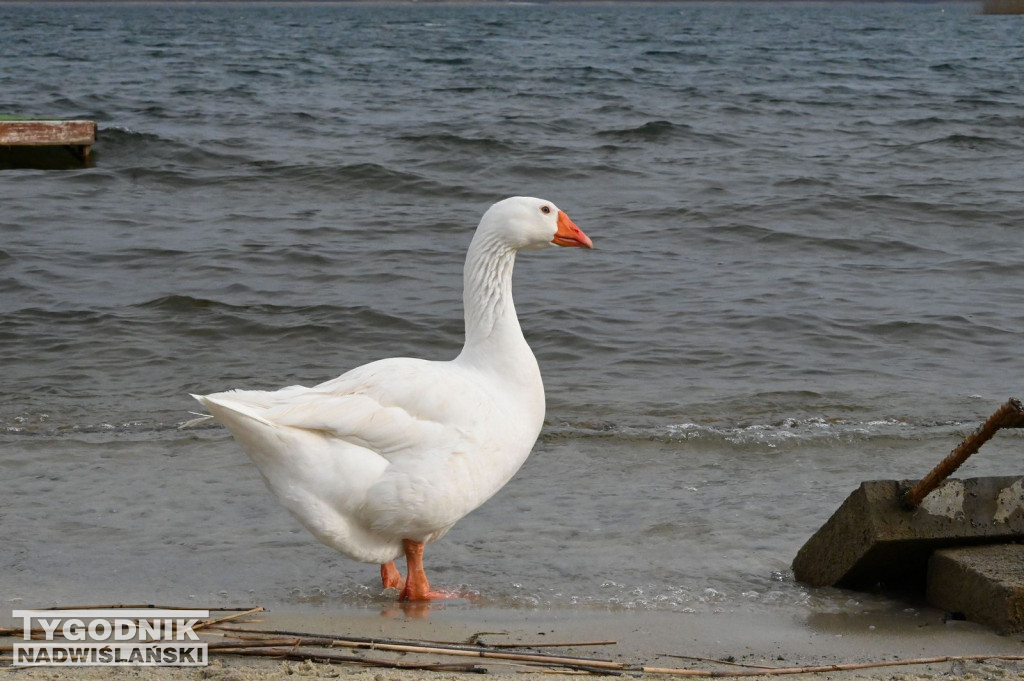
545,209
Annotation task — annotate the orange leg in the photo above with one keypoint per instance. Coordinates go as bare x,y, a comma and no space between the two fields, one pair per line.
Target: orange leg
390,577
417,588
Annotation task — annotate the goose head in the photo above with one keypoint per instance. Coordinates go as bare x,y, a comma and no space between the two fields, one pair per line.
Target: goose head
527,223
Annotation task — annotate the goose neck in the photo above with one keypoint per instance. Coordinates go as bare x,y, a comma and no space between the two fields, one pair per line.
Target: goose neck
489,309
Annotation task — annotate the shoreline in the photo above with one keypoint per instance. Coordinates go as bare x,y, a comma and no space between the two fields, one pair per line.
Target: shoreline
473,3
733,642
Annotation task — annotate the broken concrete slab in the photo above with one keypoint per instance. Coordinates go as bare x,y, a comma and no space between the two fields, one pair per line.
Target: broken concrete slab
873,540
985,583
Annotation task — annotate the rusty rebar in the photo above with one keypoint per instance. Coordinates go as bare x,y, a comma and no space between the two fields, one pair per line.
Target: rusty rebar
1010,415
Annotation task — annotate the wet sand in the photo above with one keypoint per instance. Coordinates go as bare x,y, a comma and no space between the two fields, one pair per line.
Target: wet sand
643,639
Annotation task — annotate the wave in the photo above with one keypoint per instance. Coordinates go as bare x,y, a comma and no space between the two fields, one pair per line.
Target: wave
448,142
650,131
960,142
163,328
767,236
231,162
662,131
690,56
47,425
268,318
978,142
142,155
448,61
126,140
365,176
790,431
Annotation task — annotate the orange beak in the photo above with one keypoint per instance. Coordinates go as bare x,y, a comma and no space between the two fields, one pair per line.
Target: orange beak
569,234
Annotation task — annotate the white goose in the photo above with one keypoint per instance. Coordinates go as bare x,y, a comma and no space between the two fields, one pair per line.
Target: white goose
387,457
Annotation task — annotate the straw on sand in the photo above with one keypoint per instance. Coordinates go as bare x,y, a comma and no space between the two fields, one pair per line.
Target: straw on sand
224,637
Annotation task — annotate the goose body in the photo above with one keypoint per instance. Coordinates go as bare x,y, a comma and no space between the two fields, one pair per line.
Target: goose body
390,455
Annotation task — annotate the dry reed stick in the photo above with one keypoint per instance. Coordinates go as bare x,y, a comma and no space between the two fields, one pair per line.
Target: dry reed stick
395,645
852,666
458,650
580,664
559,644
19,631
476,640
480,646
716,660
329,656
486,654
265,643
234,616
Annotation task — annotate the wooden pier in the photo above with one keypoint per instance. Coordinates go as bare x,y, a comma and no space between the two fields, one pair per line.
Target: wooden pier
1002,7
78,136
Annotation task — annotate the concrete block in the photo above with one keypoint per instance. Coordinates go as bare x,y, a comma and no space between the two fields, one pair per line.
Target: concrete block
985,583
871,540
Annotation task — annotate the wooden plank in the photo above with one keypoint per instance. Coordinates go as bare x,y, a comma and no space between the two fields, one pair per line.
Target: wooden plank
47,133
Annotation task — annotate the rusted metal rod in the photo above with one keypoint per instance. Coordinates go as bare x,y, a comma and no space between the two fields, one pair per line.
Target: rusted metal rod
1010,415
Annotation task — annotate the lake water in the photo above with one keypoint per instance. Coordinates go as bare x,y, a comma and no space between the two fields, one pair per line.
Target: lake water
808,273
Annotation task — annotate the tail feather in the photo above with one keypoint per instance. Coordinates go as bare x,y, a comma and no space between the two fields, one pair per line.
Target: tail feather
221,405
200,418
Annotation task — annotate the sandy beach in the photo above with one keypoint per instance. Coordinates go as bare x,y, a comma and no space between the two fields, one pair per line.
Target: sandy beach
741,641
